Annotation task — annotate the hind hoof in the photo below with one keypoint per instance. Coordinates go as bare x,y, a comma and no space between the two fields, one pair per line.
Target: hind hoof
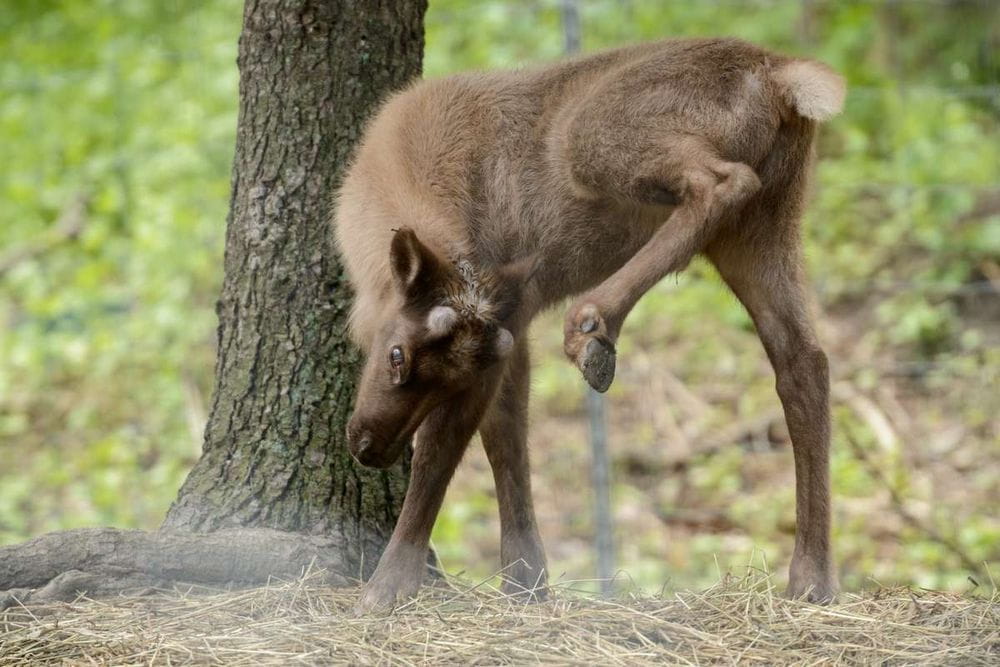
597,363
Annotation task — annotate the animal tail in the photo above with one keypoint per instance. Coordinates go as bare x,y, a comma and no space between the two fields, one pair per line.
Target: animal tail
811,88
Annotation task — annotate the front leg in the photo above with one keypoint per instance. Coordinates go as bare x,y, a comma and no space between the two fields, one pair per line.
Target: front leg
505,435
440,442
711,189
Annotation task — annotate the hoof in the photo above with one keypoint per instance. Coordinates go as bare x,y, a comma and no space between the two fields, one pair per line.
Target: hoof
820,591
821,597
373,604
597,363
812,582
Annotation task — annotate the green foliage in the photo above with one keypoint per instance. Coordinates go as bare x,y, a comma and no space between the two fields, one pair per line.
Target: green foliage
117,123
119,120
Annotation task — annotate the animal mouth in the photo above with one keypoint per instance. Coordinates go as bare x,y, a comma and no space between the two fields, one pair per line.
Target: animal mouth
381,459
375,451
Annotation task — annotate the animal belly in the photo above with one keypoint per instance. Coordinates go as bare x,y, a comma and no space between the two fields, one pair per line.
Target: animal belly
598,247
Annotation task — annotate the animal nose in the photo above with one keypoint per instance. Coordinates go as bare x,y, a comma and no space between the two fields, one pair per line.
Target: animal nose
364,453
362,445
358,440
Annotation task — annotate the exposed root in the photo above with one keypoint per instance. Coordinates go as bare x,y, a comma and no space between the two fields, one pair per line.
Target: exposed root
101,561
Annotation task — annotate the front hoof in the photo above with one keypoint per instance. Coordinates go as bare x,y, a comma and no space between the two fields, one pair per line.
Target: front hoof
817,589
817,595
375,601
597,363
385,589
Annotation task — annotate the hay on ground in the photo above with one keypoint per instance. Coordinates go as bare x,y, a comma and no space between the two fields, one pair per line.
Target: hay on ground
738,621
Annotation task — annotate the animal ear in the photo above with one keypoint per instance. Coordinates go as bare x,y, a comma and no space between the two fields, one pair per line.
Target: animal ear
440,321
504,343
414,265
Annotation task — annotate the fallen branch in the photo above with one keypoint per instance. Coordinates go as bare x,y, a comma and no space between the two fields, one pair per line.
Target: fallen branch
870,413
679,393
899,506
724,437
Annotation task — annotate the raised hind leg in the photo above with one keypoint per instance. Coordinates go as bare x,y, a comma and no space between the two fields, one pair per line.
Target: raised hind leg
704,190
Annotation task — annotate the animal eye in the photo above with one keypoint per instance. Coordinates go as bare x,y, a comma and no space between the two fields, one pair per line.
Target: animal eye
396,357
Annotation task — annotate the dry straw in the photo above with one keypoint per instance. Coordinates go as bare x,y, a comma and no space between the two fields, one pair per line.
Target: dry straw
739,621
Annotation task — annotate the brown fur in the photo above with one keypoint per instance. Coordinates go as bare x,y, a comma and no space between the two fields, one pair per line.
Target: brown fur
491,196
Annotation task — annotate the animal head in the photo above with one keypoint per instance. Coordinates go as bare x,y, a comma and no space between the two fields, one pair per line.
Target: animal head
449,325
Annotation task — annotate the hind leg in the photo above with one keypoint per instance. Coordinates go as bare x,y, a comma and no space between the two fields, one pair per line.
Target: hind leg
705,190
766,276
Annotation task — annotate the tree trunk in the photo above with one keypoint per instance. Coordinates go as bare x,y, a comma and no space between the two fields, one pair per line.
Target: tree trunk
310,75
311,72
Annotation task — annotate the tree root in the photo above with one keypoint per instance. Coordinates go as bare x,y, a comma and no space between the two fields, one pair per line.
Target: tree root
62,565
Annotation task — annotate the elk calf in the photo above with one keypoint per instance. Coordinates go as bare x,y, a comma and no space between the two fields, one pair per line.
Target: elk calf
477,200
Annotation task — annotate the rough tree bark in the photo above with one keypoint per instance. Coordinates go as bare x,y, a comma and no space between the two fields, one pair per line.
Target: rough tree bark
311,73
275,488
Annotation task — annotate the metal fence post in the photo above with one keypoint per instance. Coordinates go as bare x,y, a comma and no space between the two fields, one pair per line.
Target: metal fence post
600,466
